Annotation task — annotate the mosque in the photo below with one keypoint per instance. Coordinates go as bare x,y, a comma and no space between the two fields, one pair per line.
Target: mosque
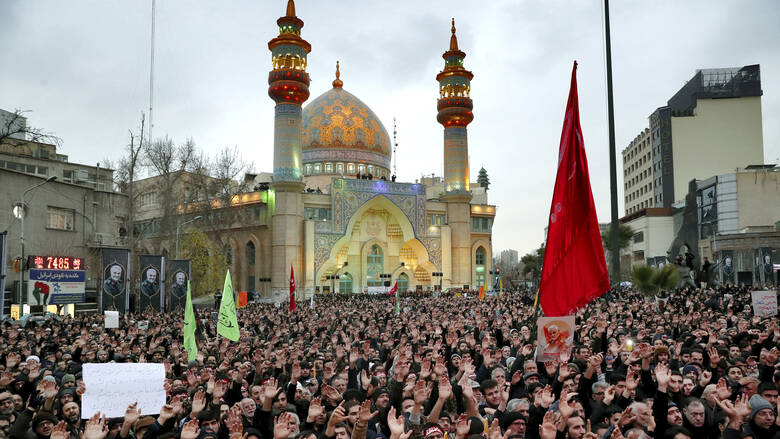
363,234
355,234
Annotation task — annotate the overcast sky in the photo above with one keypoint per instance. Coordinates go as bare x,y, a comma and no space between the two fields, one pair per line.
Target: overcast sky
82,67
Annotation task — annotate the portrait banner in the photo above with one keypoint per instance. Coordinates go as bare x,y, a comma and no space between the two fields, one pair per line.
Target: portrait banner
178,274
150,297
726,264
115,285
3,236
764,303
555,335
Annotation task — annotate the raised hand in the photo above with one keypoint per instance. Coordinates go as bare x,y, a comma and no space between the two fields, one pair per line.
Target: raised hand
631,381
132,413
626,418
365,413
396,424
445,389
49,390
96,427
315,409
705,378
722,389
198,403
219,389
462,426
422,392
60,431
548,429
282,425
662,376
190,430
565,409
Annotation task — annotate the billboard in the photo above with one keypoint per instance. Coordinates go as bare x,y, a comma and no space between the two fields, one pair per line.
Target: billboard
115,288
56,287
152,292
178,275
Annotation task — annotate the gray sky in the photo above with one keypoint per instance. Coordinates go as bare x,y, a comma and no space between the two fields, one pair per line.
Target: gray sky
82,67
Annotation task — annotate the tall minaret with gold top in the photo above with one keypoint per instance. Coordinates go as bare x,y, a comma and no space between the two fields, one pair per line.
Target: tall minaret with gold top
455,113
288,86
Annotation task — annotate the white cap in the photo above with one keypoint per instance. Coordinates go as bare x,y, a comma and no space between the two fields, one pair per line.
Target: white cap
33,357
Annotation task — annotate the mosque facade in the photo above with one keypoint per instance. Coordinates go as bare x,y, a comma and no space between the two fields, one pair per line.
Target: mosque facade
359,234
319,216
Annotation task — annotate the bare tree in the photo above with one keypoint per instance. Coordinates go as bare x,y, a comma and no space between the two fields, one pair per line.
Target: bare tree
126,171
171,164
14,130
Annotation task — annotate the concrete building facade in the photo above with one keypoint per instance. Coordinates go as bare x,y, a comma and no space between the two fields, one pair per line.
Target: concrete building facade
711,126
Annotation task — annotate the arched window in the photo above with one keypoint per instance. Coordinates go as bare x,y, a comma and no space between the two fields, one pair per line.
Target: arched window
479,258
403,283
250,262
374,266
250,253
345,283
479,262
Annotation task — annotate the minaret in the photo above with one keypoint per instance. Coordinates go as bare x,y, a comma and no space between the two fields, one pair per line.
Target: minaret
288,86
455,114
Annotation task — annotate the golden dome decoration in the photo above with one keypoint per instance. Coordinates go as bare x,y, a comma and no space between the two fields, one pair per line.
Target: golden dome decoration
339,127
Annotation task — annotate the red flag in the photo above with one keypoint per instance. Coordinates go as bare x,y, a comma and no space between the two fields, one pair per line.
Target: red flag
574,271
481,293
392,290
292,289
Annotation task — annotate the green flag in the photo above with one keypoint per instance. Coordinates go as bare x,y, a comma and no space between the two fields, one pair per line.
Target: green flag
189,328
227,326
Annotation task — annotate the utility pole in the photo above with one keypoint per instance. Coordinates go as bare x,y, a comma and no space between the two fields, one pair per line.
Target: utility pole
613,229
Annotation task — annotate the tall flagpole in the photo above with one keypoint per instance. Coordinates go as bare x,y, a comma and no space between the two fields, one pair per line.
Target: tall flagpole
151,77
613,230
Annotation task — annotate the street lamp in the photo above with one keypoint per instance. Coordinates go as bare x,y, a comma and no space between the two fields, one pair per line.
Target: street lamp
177,232
19,213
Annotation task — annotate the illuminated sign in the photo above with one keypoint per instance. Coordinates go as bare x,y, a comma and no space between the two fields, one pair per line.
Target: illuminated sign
55,263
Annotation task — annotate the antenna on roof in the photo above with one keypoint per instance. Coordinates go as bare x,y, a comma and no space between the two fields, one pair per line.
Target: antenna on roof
395,148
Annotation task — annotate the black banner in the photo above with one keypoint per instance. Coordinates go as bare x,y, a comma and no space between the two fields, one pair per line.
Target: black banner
2,273
178,275
726,263
115,288
152,292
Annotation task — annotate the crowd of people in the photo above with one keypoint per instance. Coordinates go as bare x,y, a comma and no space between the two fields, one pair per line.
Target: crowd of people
698,365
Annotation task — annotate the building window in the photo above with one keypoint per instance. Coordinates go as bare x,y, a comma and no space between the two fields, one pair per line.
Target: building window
307,169
60,219
362,169
374,266
350,168
147,199
479,258
317,168
328,168
345,283
250,253
370,169
639,237
403,283
317,213
481,225
436,219
340,168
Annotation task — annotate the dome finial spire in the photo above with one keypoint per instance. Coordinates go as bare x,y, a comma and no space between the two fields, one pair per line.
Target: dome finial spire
290,8
337,83
453,38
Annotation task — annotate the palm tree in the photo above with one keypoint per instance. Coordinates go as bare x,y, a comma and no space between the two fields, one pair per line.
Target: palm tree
650,280
625,235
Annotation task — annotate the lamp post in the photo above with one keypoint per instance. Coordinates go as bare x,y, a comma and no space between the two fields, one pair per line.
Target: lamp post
177,232
20,214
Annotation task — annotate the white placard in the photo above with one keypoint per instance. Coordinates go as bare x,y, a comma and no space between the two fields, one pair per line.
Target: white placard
111,387
111,320
764,303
